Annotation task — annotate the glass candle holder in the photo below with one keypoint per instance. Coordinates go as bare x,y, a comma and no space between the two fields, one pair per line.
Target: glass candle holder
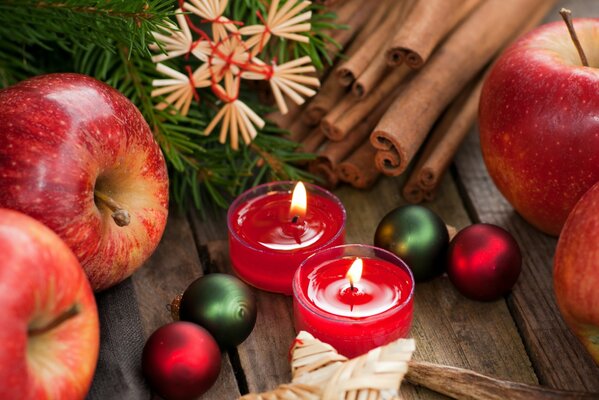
267,244
353,316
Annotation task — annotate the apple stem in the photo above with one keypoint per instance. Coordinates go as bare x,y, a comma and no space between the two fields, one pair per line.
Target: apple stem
120,216
567,16
68,314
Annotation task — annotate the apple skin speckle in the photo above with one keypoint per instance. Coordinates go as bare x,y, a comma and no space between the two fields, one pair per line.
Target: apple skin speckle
63,136
537,99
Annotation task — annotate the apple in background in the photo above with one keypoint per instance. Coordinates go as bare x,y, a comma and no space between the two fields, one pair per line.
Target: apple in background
539,122
78,156
576,271
50,331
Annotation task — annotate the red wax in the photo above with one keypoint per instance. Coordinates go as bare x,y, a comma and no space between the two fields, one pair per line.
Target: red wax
266,246
375,312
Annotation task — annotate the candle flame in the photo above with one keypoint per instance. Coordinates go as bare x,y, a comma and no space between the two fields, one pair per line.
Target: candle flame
298,202
354,273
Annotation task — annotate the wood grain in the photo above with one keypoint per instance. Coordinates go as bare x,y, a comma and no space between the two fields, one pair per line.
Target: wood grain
263,355
449,328
559,359
169,271
464,384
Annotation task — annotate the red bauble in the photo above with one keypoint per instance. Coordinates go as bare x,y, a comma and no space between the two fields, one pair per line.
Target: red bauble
181,361
484,262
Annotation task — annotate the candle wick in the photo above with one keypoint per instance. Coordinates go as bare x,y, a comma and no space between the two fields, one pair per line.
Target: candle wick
295,219
351,286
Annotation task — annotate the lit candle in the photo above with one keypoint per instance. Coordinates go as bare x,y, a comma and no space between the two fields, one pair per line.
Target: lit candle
354,297
272,229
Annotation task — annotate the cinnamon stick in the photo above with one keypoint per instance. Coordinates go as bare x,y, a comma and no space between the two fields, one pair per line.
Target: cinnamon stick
429,195
330,94
412,192
409,119
355,14
311,142
460,383
284,121
358,61
328,176
332,153
427,24
455,124
299,130
332,91
358,169
328,121
329,3
444,141
387,88
377,68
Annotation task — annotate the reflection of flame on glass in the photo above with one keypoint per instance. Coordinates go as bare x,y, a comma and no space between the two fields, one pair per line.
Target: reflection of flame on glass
298,202
354,273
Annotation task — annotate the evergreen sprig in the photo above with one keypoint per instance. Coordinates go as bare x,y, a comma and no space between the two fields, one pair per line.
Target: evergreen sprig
108,40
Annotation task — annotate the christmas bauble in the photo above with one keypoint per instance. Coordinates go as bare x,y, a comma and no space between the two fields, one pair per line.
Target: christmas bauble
416,235
181,361
222,304
484,262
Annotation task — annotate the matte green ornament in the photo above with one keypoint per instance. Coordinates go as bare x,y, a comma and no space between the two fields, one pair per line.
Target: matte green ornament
222,304
416,235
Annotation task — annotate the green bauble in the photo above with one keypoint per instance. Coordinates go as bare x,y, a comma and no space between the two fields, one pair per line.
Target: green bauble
416,235
222,304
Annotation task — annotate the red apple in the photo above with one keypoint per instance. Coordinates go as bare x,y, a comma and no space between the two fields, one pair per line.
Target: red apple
539,122
50,330
576,271
78,156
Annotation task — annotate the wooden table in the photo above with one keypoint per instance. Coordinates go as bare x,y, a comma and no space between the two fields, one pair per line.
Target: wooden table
521,338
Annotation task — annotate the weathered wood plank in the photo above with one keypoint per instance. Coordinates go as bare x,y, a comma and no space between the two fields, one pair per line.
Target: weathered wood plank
558,358
263,355
211,227
448,328
169,271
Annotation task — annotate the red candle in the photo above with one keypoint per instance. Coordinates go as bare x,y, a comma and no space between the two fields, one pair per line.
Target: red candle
269,235
354,313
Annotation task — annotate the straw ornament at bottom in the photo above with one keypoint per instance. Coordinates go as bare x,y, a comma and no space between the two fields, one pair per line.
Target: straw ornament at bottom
319,372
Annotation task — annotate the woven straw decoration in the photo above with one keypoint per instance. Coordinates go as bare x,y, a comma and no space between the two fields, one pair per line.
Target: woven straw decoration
287,392
227,58
177,41
286,79
212,10
180,88
237,117
375,375
284,22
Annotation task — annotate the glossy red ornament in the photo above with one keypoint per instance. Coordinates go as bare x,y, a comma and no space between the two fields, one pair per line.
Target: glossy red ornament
181,361
484,262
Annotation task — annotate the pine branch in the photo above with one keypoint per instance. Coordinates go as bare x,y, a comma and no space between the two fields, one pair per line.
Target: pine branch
108,40
70,24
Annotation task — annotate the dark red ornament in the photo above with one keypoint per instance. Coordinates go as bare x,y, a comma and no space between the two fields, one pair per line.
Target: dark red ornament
181,361
484,262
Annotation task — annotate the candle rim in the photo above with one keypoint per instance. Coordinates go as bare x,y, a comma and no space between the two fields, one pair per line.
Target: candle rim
299,296
235,205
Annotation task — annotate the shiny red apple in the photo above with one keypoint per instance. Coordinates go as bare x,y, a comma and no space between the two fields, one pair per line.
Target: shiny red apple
78,156
539,122
576,271
50,333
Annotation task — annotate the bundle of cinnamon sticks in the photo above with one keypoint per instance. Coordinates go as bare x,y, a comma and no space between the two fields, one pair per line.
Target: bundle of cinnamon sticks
406,90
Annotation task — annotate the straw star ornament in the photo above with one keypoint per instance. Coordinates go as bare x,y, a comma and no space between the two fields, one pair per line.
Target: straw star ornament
320,373
229,55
